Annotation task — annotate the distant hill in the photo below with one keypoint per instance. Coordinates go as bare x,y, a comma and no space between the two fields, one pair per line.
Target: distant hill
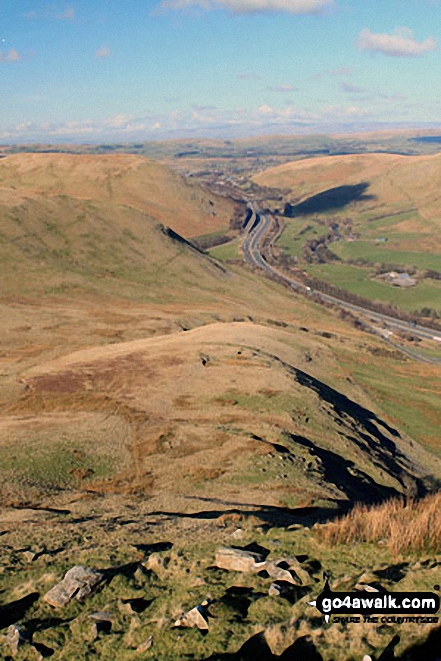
392,183
121,179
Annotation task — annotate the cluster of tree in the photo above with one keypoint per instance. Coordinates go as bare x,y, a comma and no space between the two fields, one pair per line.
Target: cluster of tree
430,273
316,251
428,312
210,241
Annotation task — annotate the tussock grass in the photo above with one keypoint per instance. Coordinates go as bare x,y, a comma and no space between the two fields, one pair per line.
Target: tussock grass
410,527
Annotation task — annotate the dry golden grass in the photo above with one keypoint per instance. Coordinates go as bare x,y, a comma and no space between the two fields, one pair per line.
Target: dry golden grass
411,527
121,179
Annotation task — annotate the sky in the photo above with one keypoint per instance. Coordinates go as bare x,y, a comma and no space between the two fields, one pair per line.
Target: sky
113,71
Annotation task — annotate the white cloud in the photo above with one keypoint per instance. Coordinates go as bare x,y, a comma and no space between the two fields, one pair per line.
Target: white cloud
401,43
211,121
253,6
102,52
10,56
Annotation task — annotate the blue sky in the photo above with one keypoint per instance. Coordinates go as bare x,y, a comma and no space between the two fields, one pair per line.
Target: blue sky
106,70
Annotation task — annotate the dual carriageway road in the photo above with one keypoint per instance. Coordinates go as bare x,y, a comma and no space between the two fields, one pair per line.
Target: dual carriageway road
257,229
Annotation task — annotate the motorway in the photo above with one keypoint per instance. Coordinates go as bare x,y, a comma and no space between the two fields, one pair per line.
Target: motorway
258,227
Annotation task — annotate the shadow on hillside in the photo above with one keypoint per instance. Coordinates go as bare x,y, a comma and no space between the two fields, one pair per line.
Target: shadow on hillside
334,198
16,610
256,647
366,430
430,650
357,485
271,515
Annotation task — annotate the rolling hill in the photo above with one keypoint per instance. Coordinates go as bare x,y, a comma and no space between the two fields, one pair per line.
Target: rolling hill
395,185
156,405
120,179
371,214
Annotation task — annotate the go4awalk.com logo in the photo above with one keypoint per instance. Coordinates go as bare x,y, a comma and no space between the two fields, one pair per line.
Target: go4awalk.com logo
409,606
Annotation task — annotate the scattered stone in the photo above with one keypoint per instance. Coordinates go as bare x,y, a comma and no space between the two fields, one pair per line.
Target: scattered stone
30,556
252,560
233,559
363,587
146,645
279,573
16,637
238,534
288,591
292,566
102,623
157,562
79,582
276,590
196,617
204,358
101,616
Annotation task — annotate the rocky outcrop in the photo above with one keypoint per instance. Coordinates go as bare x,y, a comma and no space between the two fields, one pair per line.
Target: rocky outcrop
78,583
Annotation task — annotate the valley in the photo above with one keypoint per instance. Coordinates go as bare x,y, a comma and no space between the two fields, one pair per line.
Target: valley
161,398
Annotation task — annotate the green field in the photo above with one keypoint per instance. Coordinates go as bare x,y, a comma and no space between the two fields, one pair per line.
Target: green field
295,235
357,280
382,252
226,251
378,239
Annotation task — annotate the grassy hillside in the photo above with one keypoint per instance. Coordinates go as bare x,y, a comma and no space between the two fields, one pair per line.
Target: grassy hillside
385,210
120,179
60,244
155,405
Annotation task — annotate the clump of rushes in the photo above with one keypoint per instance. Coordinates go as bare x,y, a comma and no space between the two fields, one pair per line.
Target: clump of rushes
406,527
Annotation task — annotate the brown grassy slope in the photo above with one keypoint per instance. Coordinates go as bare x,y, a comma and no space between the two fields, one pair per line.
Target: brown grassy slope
59,243
224,411
396,182
121,179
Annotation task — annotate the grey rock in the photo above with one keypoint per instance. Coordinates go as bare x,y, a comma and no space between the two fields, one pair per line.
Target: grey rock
280,574
196,617
238,533
101,616
16,637
30,556
363,587
146,645
238,560
275,590
79,582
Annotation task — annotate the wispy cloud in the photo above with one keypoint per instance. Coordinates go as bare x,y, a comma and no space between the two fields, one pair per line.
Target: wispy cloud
339,71
253,6
102,52
194,121
249,76
401,43
351,89
61,14
10,56
283,88
66,15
